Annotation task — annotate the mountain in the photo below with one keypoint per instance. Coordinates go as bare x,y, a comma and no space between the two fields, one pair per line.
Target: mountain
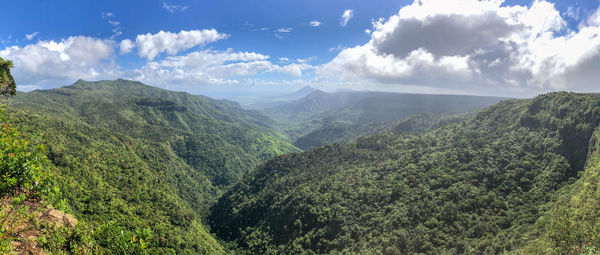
144,157
360,113
343,132
272,101
303,92
490,184
312,105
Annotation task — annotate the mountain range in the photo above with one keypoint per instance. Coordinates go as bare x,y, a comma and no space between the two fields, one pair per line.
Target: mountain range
150,171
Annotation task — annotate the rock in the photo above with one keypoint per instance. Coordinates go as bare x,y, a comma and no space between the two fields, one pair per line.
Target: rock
59,218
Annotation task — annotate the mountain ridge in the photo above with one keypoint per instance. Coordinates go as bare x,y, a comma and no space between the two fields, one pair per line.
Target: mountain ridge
478,186
145,157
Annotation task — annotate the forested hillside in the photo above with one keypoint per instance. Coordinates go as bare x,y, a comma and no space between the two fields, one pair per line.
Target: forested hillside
572,226
144,157
481,186
309,120
343,132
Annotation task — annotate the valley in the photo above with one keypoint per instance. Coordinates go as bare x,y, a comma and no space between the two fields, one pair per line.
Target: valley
278,127
442,175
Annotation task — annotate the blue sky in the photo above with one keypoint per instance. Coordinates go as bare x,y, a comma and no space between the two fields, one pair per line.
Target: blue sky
329,56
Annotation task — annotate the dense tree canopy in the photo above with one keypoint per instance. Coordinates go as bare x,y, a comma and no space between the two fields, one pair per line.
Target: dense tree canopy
475,187
7,82
146,169
143,157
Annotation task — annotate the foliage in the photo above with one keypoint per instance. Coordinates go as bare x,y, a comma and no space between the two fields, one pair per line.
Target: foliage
145,158
571,226
345,132
14,214
22,165
323,118
7,82
108,238
476,187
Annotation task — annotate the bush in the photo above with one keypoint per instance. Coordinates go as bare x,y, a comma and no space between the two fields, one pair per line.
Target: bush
22,165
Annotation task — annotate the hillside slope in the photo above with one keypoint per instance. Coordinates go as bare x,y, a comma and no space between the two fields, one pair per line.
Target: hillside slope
475,187
145,157
306,119
571,226
343,132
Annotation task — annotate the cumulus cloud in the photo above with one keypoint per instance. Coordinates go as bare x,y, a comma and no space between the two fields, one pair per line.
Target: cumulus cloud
150,45
477,45
315,23
126,46
31,36
212,67
346,16
72,58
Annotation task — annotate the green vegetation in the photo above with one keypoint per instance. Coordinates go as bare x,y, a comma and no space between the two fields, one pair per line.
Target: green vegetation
144,170
481,186
571,226
23,166
323,118
135,157
7,82
344,132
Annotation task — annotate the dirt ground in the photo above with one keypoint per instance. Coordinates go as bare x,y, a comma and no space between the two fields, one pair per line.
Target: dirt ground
24,230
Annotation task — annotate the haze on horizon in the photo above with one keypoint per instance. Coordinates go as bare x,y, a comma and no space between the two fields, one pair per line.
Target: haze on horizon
227,49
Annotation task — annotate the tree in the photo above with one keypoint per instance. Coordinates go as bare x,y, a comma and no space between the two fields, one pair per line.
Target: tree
7,83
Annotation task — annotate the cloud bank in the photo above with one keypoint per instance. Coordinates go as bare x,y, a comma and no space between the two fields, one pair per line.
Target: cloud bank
477,46
439,46
150,45
72,58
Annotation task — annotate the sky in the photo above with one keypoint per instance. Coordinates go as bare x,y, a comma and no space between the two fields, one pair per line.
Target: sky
235,49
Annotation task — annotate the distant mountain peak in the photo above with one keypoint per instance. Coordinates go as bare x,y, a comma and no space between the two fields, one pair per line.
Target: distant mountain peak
317,92
306,89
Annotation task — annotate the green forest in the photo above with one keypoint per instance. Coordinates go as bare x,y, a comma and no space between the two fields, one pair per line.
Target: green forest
286,127
137,157
510,179
322,118
150,171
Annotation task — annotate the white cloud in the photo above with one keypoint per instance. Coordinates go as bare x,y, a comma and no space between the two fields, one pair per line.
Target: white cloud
594,19
315,23
31,36
346,16
278,33
126,46
573,13
211,67
72,58
284,30
173,8
117,30
106,15
475,45
150,45
337,48
305,60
